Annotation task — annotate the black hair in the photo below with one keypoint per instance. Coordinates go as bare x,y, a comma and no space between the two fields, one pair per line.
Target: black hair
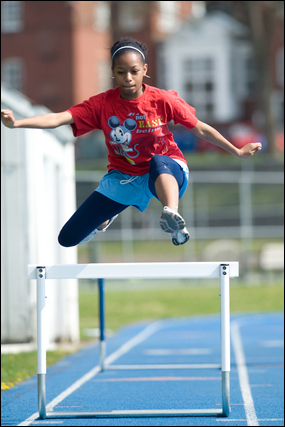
128,41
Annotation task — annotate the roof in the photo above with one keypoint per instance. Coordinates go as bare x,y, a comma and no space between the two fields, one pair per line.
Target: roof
213,24
23,106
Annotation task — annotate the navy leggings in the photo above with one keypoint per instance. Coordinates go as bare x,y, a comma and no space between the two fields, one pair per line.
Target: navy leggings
98,208
160,164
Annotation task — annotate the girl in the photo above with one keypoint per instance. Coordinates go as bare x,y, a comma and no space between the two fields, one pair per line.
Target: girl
144,160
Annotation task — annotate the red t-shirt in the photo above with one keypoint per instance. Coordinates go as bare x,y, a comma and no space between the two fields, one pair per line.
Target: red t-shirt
134,130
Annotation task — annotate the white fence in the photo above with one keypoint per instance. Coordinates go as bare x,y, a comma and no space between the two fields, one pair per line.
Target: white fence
219,205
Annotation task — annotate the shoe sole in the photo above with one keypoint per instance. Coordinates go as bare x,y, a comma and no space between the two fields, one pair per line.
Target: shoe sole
175,241
170,222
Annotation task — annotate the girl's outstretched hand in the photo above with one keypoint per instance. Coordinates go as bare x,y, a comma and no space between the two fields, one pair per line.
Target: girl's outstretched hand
7,118
249,149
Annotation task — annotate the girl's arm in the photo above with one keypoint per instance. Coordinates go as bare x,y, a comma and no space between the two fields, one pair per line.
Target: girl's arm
211,135
44,121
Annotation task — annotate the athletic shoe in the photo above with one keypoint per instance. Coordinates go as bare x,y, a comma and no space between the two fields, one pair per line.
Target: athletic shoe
173,223
96,231
180,237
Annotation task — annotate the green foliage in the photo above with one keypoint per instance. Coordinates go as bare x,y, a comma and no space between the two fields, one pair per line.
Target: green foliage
18,367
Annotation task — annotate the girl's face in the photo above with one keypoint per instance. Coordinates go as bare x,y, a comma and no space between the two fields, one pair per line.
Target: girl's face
128,71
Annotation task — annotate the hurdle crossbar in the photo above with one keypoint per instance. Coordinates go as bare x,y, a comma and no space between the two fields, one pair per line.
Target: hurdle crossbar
222,270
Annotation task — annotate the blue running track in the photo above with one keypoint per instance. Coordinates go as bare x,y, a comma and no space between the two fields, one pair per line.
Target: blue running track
75,383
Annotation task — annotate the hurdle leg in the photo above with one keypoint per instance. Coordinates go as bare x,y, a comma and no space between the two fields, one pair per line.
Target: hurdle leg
41,341
225,337
102,324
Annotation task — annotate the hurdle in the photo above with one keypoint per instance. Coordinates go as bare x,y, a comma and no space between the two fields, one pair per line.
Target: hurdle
101,271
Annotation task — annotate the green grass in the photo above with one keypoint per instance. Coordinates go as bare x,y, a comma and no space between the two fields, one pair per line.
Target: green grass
125,306
147,251
18,367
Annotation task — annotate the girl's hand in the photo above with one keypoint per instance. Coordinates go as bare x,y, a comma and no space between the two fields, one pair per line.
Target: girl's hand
7,118
249,150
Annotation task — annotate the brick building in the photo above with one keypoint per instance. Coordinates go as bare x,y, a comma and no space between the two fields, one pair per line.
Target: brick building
56,53
150,22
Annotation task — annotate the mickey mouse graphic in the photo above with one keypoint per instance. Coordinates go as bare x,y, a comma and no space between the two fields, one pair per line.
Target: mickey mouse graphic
121,136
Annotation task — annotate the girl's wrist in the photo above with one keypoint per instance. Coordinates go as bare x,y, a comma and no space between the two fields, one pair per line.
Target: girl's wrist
18,123
237,152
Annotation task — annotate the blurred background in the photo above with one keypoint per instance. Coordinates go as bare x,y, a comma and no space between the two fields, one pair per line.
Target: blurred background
226,58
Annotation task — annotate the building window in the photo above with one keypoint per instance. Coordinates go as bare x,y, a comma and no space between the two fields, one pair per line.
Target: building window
104,75
244,72
47,46
280,68
131,15
199,85
102,15
11,16
13,73
168,19
250,76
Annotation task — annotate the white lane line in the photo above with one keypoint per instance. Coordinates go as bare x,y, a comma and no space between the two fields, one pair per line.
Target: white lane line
243,375
244,420
272,343
142,336
177,352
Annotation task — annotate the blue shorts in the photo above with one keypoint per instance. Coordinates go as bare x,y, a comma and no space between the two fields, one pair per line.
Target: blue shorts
115,193
138,190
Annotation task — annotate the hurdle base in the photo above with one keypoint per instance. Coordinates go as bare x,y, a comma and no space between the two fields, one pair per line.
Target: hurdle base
163,366
224,412
226,393
42,395
102,355
138,413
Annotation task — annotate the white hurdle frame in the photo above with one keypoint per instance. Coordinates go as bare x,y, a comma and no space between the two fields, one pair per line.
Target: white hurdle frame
222,270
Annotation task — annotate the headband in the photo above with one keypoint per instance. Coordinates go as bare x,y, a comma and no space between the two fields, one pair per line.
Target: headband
128,47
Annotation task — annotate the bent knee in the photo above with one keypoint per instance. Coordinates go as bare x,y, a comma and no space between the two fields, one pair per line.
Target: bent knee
158,165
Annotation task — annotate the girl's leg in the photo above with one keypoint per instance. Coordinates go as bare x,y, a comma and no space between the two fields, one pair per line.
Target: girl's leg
93,213
166,178
167,190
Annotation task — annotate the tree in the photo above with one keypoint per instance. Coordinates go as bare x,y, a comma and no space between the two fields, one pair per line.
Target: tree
261,17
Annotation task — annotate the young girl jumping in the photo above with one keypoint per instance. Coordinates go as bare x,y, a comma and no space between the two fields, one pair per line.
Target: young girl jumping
144,160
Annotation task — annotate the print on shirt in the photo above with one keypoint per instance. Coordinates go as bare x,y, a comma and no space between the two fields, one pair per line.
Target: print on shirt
121,136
